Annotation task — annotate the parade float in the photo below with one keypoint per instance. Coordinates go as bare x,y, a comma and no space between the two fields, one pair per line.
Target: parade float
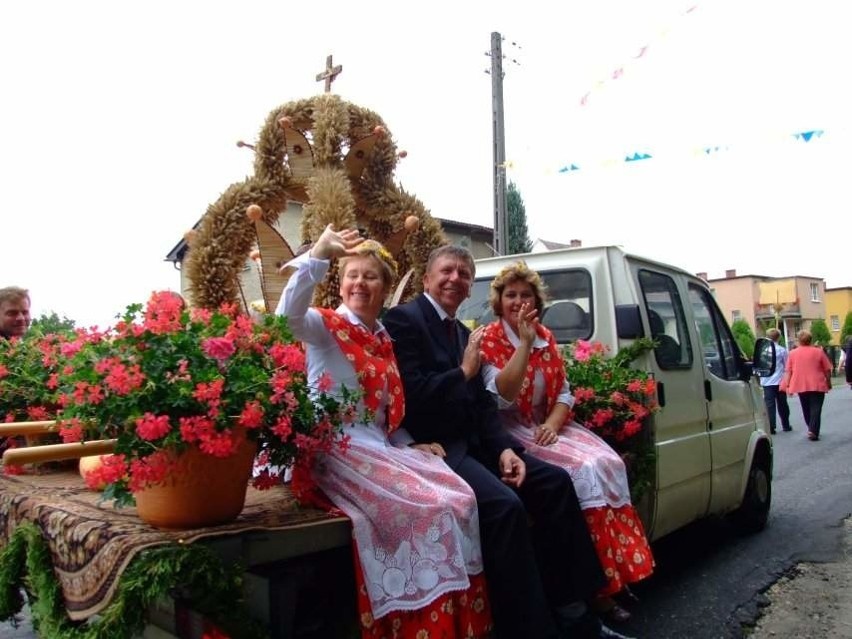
153,397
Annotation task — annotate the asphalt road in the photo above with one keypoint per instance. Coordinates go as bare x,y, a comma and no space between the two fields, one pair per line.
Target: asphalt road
709,580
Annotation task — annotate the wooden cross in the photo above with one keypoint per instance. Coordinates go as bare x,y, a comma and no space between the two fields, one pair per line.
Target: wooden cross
330,73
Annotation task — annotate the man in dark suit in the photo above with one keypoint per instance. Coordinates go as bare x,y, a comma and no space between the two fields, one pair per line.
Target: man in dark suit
539,576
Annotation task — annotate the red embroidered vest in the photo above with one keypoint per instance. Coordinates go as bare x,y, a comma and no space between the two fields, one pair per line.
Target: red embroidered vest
497,350
374,362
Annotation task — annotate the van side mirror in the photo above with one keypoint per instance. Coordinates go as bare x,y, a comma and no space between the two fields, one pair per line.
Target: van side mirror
628,321
763,362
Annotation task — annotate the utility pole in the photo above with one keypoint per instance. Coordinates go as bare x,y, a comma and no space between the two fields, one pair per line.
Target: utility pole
499,141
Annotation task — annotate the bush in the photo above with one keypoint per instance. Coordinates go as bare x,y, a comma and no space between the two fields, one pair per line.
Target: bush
744,336
820,334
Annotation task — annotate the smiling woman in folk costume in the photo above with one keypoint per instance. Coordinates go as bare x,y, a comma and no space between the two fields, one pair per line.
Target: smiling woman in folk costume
523,368
415,523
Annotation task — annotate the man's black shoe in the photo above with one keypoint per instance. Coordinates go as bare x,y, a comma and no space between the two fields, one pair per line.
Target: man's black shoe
609,633
588,626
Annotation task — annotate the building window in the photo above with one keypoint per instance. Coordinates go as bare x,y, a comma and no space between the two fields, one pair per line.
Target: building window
736,315
814,292
835,322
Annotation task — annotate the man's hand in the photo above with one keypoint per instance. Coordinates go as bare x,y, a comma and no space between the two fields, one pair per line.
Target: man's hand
472,356
512,468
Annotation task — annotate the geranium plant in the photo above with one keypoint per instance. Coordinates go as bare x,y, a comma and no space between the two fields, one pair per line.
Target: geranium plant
614,400
167,378
28,367
27,375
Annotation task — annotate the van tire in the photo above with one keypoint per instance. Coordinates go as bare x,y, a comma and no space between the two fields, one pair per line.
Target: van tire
753,513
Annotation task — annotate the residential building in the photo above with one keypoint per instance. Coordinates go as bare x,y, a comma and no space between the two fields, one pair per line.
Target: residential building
790,303
477,239
838,304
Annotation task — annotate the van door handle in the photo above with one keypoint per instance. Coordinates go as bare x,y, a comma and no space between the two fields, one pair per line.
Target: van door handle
661,394
708,390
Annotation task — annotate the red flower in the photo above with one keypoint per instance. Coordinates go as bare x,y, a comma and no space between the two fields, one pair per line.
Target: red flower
219,348
112,468
265,480
150,470
583,394
324,383
163,312
38,413
602,416
218,444
635,386
122,380
71,431
288,356
150,427
252,415
283,427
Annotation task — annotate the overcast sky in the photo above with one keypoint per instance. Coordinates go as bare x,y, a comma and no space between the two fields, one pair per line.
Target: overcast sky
119,123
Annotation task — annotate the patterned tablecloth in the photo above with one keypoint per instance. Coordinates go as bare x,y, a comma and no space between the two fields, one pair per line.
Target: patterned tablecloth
92,543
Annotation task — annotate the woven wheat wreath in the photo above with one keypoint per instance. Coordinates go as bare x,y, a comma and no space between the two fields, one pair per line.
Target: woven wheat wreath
337,160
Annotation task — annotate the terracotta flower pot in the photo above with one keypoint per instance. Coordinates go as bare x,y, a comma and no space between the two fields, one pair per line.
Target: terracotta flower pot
203,491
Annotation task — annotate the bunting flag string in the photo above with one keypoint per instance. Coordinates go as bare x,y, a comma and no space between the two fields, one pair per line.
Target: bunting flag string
807,135
619,71
638,156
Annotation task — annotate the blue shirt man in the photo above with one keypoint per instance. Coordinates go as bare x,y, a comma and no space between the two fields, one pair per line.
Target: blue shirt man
773,396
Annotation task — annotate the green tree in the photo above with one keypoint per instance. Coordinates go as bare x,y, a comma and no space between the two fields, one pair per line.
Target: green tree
820,335
744,336
846,331
517,235
52,323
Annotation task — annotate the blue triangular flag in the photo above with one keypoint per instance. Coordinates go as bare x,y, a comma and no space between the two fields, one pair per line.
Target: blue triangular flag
572,167
807,135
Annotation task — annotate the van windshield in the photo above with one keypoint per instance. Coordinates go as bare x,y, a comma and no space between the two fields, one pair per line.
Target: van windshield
567,311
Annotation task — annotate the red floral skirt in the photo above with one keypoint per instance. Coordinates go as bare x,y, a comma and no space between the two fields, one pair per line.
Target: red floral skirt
456,615
621,544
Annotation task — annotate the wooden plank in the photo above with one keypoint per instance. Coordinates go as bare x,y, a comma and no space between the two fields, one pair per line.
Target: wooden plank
58,452
274,253
17,429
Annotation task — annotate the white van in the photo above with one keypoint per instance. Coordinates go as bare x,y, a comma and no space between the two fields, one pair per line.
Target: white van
713,452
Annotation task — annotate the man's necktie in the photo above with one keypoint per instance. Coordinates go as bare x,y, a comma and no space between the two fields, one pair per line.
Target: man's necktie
452,337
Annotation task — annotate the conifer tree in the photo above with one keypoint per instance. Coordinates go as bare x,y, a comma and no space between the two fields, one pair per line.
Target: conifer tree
517,235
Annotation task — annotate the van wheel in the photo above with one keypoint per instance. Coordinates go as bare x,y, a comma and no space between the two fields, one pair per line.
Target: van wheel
753,513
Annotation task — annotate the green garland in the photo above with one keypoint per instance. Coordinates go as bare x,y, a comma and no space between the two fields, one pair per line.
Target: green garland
214,590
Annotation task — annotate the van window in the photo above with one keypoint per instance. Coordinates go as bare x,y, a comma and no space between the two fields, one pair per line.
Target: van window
720,350
568,311
666,320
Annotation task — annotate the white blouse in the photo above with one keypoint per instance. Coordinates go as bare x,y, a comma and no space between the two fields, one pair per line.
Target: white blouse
323,353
